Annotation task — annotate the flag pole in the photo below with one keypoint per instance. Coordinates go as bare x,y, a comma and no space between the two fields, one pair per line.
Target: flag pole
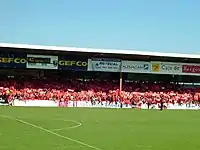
120,82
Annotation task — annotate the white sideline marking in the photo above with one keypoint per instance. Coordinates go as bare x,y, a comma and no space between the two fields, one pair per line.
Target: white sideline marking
48,131
67,128
143,146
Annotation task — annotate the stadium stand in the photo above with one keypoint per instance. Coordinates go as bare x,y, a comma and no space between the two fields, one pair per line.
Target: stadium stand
27,74
95,91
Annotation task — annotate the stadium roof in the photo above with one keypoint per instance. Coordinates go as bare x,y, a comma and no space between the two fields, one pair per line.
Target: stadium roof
104,51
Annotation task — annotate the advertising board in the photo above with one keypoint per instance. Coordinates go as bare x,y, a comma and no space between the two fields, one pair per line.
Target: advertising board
12,60
104,64
166,68
191,69
135,67
42,61
65,63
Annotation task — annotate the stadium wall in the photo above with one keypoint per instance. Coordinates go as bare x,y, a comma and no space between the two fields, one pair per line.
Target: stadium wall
50,103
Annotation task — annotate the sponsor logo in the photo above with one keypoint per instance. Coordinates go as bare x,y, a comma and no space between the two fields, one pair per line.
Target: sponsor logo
106,63
137,67
155,67
100,64
170,67
165,67
191,69
72,63
42,61
12,60
39,60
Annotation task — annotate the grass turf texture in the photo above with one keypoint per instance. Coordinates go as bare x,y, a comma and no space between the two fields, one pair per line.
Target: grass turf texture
106,129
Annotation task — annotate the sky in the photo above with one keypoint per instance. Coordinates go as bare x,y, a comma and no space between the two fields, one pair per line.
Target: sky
143,25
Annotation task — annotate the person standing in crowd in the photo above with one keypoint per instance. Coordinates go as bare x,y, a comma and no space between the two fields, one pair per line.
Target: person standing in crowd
161,104
148,103
121,104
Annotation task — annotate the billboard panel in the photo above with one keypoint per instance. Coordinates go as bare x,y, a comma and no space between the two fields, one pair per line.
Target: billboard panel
12,60
166,68
191,69
42,61
135,67
65,63
104,64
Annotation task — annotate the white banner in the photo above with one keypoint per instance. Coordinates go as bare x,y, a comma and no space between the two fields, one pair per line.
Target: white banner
136,66
42,62
49,103
166,68
107,65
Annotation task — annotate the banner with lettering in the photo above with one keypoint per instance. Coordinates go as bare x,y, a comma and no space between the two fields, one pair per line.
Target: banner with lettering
12,60
136,66
42,61
166,68
65,63
104,64
191,69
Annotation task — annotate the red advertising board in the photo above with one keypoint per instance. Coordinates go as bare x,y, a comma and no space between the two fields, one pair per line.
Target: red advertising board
191,69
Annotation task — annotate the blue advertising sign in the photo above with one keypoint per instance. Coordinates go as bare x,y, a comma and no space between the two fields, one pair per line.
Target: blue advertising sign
12,60
76,64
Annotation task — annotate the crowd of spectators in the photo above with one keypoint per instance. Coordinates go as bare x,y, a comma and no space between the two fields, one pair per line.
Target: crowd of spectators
95,91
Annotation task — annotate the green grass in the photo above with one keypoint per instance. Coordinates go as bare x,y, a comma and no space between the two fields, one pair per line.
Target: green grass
106,129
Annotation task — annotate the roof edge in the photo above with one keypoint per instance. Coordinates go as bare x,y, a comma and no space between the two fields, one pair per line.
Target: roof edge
92,50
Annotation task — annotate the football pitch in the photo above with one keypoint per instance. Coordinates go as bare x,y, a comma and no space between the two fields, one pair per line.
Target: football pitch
25,128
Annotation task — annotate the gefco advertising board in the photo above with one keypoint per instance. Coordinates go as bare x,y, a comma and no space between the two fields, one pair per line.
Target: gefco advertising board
22,60
76,64
12,60
55,62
